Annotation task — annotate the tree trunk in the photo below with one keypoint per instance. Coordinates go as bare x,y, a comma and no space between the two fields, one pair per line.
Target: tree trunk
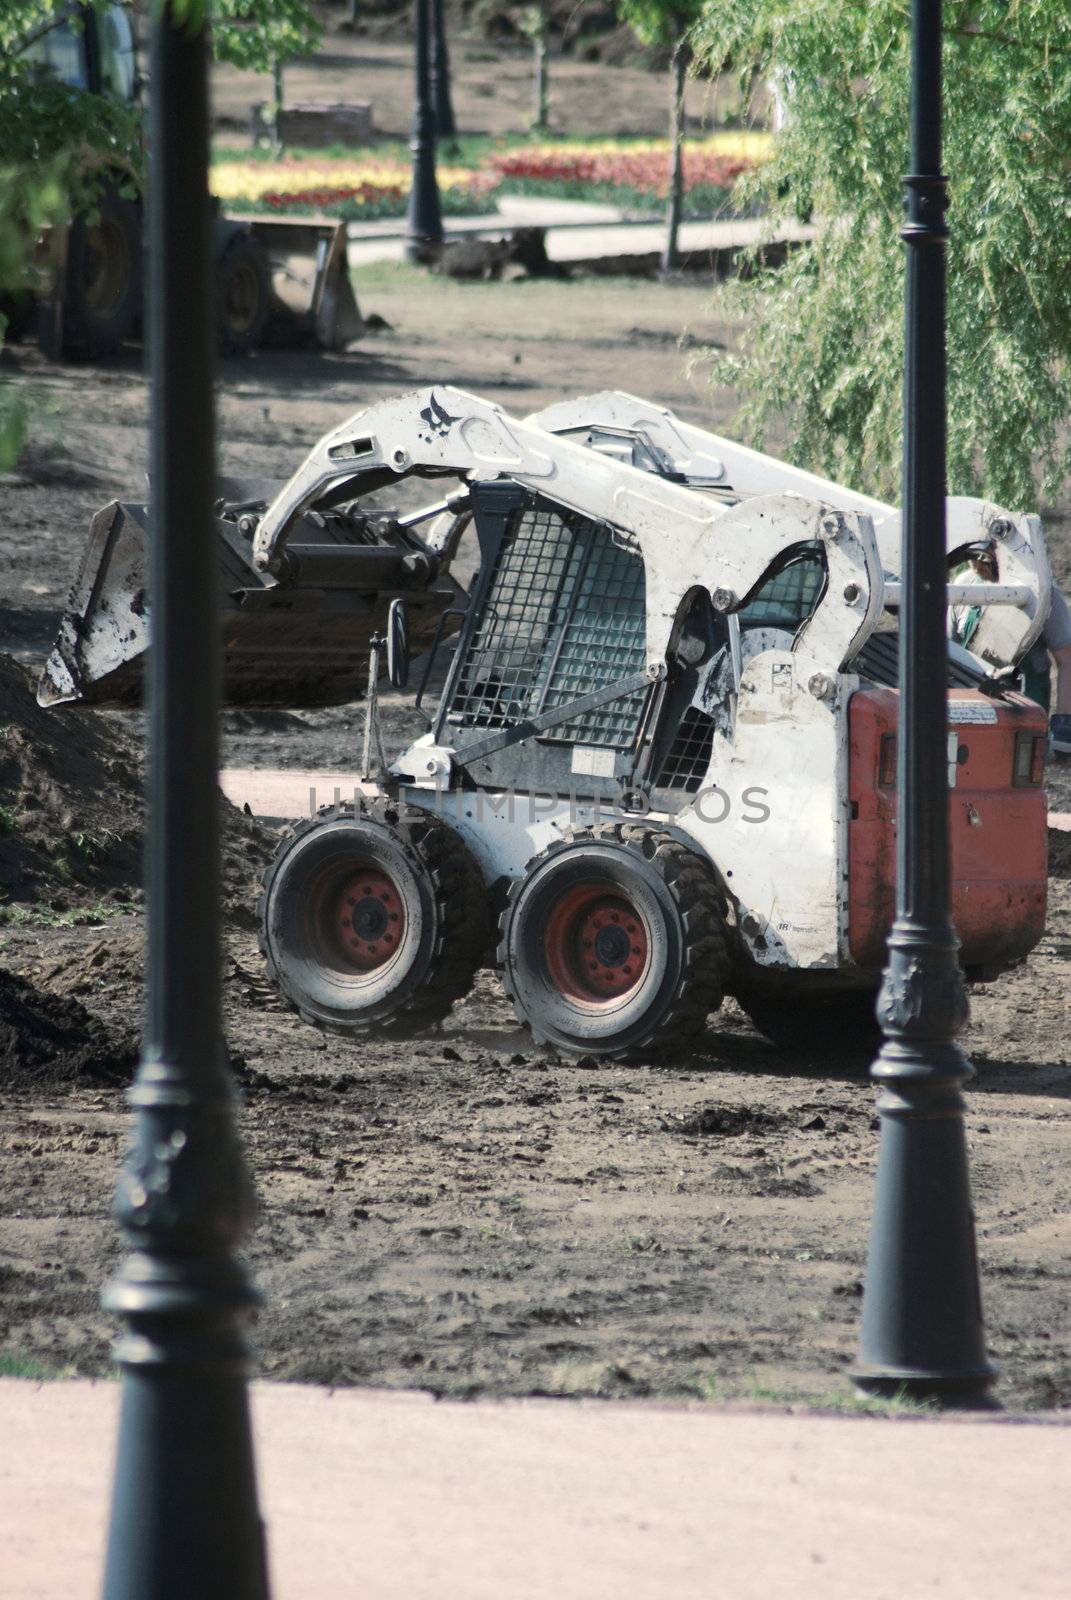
277,106
539,43
678,74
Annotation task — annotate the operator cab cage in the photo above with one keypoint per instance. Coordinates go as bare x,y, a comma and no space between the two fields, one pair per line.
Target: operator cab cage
602,645
548,687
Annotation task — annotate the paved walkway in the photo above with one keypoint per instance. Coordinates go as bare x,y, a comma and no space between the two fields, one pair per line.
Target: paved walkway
576,231
387,1496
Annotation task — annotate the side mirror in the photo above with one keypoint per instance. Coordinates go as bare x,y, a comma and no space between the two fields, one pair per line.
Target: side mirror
398,644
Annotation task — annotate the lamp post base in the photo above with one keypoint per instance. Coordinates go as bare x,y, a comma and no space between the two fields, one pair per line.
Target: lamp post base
968,1389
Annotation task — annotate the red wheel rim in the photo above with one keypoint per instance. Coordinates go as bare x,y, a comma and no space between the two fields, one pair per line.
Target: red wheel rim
369,919
596,945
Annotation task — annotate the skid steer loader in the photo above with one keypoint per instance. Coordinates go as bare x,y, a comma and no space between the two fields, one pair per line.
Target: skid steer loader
662,765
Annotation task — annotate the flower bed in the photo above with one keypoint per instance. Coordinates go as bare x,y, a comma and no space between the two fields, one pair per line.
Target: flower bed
348,189
633,175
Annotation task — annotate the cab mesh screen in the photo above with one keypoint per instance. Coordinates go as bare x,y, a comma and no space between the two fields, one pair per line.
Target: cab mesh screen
564,615
688,756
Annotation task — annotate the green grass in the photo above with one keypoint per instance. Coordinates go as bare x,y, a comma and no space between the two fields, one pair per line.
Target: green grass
13,1364
842,1402
399,275
40,915
469,150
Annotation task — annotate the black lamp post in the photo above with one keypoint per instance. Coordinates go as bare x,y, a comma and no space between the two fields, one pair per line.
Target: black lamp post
922,1318
424,223
184,1510
445,126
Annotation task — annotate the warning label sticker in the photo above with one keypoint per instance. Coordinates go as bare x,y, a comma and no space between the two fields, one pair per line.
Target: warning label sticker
593,763
971,711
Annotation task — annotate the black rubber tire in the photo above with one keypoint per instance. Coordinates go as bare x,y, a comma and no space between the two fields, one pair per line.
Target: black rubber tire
18,311
683,913
445,924
839,1022
102,298
243,296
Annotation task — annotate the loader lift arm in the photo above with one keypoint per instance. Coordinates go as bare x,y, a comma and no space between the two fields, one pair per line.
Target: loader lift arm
687,542
1015,605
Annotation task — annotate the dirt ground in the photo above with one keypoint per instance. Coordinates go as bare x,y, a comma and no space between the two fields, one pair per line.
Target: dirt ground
462,1213
491,88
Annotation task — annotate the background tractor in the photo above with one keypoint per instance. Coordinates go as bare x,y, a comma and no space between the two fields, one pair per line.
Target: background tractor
277,281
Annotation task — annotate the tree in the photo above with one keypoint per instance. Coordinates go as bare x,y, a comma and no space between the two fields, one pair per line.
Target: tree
533,24
668,23
823,342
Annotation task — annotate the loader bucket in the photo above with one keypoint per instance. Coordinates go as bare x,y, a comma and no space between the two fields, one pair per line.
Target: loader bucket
312,297
300,642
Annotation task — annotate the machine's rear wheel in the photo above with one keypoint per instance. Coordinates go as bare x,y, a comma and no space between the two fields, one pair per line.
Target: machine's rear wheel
373,921
103,293
613,943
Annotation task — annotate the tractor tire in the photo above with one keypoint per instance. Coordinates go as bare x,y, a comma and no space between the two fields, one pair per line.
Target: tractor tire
102,298
18,314
841,1023
243,296
373,921
614,943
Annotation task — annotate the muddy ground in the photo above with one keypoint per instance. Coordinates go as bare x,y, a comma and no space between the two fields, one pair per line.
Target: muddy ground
462,1213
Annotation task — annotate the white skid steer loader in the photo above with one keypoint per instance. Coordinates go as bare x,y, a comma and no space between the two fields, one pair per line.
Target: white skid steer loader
662,766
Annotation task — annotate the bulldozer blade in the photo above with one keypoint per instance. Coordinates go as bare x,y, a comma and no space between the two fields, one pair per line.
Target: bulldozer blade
299,643
312,298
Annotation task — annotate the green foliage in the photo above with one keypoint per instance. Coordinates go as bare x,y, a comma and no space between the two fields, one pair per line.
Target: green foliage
823,348
252,34
660,22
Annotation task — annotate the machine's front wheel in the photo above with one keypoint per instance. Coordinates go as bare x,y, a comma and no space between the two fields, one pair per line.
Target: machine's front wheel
614,943
373,921
243,295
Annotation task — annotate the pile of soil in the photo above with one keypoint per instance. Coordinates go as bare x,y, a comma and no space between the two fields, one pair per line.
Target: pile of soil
48,1040
72,817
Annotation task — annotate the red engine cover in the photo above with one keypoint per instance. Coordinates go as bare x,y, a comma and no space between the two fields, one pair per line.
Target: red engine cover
999,866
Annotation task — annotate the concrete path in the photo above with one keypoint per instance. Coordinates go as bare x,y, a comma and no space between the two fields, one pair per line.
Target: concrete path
387,1496
277,796
576,231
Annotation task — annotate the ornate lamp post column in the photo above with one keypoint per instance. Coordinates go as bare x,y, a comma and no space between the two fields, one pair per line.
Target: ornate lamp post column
445,126
424,223
184,1510
922,1317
